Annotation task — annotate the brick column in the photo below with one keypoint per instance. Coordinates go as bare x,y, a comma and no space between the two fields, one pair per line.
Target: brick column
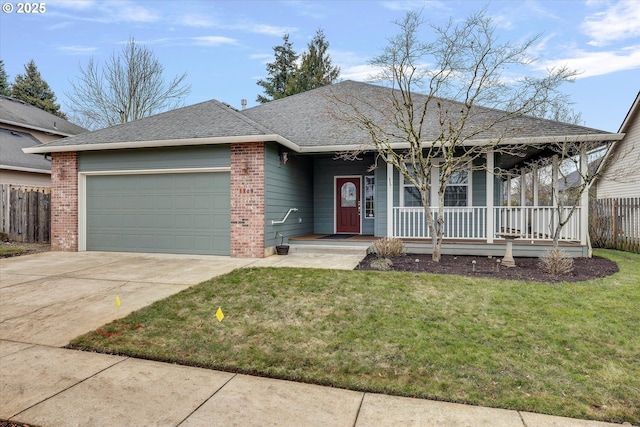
247,200
64,202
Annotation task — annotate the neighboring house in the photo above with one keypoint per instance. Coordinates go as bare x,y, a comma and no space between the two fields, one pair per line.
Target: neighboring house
209,179
620,172
18,168
22,125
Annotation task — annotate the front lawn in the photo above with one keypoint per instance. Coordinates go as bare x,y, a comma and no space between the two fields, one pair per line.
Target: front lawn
570,349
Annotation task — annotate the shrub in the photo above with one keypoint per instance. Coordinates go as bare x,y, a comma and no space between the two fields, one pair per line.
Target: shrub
388,247
556,261
382,264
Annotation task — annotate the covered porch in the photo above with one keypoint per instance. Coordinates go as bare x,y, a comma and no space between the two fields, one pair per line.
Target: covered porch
474,247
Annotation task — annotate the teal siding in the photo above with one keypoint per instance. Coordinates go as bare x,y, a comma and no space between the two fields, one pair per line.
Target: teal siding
325,171
479,188
287,186
380,229
196,156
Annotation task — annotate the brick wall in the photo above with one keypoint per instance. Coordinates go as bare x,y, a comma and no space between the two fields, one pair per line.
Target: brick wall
64,202
247,199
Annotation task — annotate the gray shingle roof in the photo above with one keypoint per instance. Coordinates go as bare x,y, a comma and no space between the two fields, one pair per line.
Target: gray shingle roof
16,112
208,119
309,120
12,157
312,118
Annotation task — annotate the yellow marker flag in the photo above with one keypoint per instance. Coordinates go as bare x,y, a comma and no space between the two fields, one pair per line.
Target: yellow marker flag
219,314
117,301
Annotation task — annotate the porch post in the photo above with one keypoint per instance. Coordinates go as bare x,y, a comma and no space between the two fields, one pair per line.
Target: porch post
584,197
509,189
389,199
523,188
489,195
554,180
534,176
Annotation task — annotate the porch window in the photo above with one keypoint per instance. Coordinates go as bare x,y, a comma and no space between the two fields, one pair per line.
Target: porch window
369,196
456,193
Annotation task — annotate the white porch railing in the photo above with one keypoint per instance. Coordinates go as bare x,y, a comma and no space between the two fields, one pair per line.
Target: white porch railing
531,222
537,222
459,223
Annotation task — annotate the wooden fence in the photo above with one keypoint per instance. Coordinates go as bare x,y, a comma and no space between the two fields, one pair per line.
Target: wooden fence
615,224
25,213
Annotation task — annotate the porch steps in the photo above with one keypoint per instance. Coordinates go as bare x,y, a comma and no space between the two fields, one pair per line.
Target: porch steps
329,249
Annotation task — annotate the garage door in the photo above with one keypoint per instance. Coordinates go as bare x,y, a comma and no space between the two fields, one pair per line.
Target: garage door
168,213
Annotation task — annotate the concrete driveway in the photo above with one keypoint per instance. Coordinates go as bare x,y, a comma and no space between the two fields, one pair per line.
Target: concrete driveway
52,297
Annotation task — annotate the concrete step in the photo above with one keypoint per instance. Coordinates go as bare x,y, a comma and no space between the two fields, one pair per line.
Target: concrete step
328,249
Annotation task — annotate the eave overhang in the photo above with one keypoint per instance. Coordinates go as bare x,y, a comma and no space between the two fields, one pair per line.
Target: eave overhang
53,148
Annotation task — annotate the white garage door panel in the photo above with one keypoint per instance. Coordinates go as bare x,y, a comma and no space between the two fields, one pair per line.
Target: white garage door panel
172,213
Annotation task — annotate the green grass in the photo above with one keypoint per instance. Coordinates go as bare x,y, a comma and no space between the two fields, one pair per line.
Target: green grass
569,349
6,251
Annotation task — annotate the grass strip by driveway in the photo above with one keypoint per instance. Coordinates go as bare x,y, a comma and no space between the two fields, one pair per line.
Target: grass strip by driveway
569,349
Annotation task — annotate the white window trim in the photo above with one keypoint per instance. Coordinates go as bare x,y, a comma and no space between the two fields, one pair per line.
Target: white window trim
364,192
435,182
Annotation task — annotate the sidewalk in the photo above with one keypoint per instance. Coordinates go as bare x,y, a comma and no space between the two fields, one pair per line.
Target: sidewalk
41,384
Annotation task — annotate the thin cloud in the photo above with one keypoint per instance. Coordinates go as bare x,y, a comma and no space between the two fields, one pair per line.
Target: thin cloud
413,5
196,21
618,22
77,50
134,13
214,41
592,64
71,4
112,12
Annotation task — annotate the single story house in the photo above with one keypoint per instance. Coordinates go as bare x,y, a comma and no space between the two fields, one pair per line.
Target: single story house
209,179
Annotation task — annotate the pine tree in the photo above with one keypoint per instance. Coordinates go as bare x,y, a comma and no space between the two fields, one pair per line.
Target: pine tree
32,89
316,69
5,89
280,71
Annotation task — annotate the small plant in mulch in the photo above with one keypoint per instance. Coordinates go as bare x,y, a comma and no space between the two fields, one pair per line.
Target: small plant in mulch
388,247
381,264
556,261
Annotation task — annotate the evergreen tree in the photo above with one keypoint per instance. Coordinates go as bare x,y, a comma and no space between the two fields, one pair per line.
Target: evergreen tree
316,69
281,71
32,89
5,89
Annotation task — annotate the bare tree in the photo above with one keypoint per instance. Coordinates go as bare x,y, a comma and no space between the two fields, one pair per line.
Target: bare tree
130,86
466,96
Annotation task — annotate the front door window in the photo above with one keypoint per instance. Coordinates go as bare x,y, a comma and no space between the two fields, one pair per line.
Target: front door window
348,195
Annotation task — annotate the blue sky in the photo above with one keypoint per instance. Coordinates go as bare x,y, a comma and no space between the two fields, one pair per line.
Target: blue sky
223,46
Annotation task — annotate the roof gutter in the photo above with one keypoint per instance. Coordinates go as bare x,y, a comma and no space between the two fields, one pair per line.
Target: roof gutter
52,148
476,142
23,169
47,148
45,130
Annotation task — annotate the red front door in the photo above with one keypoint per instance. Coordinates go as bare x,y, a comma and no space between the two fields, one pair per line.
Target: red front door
348,205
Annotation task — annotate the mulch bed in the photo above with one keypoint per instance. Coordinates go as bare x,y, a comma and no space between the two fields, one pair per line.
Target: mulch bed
526,268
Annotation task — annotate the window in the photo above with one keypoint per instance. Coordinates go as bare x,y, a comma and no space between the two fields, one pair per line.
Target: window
369,196
410,196
457,189
348,195
456,193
